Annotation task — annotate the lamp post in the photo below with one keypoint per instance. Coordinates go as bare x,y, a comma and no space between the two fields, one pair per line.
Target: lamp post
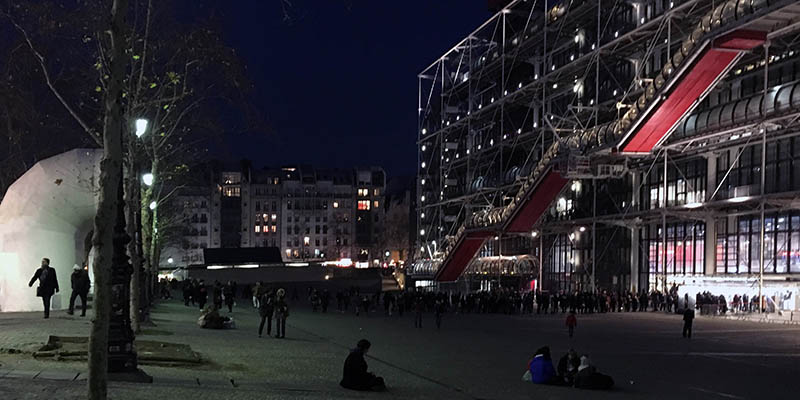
122,358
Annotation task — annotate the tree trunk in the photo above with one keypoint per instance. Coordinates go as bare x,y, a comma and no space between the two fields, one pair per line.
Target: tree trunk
132,213
155,253
110,175
147,232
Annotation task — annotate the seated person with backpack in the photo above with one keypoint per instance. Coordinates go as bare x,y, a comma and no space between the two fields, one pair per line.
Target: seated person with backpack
589,378
568,366
541,368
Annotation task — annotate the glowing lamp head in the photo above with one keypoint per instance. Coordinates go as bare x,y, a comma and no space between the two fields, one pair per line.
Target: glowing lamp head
148,179
153,205
141,127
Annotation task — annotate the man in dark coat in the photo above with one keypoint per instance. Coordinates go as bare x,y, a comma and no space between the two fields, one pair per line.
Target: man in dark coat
48,283
80,288
688,318
201,294
355,373
228,293
281,313
266,307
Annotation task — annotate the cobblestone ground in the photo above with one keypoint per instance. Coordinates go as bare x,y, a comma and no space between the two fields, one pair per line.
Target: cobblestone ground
471,357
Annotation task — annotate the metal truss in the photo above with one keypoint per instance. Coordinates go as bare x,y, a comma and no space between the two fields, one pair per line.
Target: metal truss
530,76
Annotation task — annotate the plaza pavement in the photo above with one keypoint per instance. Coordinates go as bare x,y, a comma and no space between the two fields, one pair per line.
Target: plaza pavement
471,357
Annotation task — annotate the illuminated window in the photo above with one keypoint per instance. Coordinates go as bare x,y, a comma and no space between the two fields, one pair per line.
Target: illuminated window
274,228
363,205
335,204
306,240
376,192
363,192
231,191
274,216
258,228
375,204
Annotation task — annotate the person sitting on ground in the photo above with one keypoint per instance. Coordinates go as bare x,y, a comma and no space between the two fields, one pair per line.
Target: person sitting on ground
589,378
355,373
568,366
541,367
210,319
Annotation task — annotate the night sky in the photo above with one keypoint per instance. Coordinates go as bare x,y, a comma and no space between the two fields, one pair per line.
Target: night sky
337,82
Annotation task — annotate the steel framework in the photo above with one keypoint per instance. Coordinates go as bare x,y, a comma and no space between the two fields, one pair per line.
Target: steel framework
582,92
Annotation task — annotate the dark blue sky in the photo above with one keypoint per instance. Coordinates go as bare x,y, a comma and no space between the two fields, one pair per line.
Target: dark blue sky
338,82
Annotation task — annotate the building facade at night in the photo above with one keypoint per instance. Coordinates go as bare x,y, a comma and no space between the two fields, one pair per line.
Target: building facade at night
622,146
309,214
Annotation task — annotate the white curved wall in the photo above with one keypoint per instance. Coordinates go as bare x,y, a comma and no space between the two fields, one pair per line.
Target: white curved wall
46,213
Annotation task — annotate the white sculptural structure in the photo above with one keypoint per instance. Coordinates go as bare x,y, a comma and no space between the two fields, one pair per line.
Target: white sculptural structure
48,212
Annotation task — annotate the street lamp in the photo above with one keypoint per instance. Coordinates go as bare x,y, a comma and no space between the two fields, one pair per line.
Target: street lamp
153,205
141,127
148,179
170,260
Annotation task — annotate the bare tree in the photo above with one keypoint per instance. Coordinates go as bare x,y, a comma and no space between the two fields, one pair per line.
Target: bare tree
107,133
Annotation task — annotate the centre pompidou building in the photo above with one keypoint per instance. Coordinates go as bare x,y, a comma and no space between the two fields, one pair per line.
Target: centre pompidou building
614,145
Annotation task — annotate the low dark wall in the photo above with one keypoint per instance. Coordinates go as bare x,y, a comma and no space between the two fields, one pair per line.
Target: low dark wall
299,278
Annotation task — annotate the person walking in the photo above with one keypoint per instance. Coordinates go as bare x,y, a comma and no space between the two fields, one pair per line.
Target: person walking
418,306
266,307
572,322
202,294
216,295
688,318
281,313
80,288
256,291
187,292
228,293
438,312
48,283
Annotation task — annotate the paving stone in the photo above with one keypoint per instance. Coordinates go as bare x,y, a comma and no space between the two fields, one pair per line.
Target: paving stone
58,375
473,356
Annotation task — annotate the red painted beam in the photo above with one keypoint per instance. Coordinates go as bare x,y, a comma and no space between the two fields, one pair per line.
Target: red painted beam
460,257
533,208
709,66
742,40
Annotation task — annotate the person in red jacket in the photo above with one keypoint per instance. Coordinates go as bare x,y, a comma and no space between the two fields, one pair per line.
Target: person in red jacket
572,322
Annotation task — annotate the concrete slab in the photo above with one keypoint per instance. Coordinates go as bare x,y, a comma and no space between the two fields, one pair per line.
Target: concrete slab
57,375
21,374
3,372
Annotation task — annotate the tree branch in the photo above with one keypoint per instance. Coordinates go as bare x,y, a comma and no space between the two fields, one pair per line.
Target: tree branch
93,133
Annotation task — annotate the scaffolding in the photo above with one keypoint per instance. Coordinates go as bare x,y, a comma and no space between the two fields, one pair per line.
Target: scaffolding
537,89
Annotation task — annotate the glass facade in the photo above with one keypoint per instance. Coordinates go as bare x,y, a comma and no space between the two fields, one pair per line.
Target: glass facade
738,244
685,251
560,264
686,184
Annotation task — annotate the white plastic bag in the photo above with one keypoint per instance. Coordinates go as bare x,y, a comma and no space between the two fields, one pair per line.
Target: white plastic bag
526,377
